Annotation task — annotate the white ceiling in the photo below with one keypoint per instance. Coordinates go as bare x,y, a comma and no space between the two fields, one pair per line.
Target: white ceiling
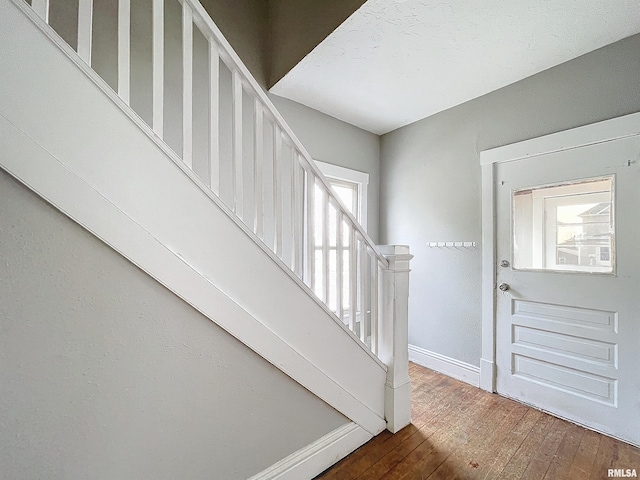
396,61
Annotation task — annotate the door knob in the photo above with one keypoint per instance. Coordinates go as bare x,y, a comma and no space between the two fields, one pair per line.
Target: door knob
504,287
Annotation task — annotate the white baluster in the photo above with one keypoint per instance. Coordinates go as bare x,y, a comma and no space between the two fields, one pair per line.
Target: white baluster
363,293
296,215
85,27
158,67
374,303
187,85
214,116
326,280
277,195
41,7
310,268
353,278
258,159
238,184
124,49
339,264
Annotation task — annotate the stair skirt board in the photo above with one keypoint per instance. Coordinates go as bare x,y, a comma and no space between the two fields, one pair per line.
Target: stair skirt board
60,144
315,458
449,366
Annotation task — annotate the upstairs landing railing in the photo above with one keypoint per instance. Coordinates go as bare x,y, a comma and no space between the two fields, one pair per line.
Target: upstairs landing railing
171,65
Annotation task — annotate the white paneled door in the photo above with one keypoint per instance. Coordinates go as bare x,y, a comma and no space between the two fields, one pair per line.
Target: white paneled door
568,298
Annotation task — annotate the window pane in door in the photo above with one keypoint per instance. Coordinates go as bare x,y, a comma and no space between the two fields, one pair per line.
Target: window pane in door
566,227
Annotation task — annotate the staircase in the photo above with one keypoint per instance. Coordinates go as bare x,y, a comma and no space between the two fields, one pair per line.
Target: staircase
173,155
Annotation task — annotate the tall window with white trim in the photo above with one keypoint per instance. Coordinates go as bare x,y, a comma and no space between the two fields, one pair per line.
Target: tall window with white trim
350,187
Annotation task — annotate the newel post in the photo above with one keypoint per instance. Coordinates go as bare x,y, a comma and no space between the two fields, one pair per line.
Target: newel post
394,335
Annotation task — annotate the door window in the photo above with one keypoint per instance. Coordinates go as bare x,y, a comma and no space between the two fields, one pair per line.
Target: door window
565,227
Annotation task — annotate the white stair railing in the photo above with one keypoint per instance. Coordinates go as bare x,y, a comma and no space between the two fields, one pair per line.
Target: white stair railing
232,137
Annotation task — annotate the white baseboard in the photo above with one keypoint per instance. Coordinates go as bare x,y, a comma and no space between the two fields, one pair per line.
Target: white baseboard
449,366
315,458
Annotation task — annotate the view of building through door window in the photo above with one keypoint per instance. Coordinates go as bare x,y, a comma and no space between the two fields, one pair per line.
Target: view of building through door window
567,228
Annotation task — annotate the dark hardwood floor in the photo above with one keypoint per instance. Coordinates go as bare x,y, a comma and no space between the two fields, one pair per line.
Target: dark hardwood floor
462,432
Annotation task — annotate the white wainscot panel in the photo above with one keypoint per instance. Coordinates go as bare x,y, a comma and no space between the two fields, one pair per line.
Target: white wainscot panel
577,348
572,316
586,385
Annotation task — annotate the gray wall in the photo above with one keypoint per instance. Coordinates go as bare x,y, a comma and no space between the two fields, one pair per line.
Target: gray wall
431,191
106,374
333,141
297,26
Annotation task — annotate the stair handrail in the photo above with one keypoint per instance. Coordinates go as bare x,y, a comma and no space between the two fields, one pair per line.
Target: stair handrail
364,285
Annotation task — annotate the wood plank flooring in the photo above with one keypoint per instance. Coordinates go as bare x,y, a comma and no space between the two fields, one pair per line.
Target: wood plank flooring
462,432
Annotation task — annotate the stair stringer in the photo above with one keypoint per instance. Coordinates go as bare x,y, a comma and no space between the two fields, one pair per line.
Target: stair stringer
89,155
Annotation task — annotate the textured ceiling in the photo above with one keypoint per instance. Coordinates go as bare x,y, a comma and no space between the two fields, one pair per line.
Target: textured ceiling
396,61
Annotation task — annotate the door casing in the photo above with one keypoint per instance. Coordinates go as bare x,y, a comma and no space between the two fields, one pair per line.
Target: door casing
616,128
